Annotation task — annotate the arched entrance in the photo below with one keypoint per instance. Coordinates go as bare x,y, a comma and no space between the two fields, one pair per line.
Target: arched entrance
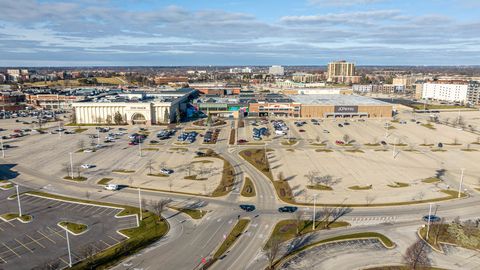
138,119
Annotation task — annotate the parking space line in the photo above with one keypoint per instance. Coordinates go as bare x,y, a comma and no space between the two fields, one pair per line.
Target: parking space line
64,261
34,200
3,260
46,237
56,232
55,204
11,250
23,245
85,206
104,210
95,212
8,222
105,243
38,243
116,241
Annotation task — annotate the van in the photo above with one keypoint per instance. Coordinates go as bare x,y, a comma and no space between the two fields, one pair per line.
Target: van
112,187
280,132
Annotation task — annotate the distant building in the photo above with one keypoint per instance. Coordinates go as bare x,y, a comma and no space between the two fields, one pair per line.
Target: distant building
306,77
171,79
450,91
276,70
3,78
12,101
342,72
362,88
473,93
241,70
388,88
52,101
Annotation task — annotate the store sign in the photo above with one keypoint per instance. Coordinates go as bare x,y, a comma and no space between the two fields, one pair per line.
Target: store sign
346,109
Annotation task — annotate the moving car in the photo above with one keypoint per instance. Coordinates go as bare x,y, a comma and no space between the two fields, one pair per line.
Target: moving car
287,209
247,207
432,218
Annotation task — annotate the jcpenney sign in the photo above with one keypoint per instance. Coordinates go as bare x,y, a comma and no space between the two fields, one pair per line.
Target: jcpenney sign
346,109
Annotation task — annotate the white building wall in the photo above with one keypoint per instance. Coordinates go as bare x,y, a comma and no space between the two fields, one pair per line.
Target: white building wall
445,92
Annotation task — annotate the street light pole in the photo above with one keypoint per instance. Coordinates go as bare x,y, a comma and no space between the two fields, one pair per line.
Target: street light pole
18,199
69,251
140,203
98,136
140,148
428,222
394,147
71,165
314,212
461,183
3,149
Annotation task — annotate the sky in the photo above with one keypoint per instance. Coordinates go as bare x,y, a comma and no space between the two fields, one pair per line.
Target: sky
238,32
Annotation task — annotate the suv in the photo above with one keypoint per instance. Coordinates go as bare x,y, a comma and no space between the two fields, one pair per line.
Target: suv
112,187
166,171
247,207
287,209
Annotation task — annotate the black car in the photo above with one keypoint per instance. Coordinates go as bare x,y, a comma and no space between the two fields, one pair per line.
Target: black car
287,209
340,125
432,218
247,207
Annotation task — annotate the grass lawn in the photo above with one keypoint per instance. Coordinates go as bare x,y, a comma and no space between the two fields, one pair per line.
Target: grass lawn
232,237
372,144
158,174
6,186
80,130
193,213
181,149
194,177
228,173
287,229
123,171
318,144
354,151
402,267
324,150
75,228
469,150
399,185
248,189
75,178
427,144
10,216
421,106
319,187
431,180
150,149
429,126
104,181
360,187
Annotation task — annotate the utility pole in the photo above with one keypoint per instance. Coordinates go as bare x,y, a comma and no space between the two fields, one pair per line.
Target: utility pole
314,214
461,183
71,164
18,199
3,149
428,222
69,251
140,203
59,130
98,136
394,147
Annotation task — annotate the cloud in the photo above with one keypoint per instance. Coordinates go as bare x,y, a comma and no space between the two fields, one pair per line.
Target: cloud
343,2
344,18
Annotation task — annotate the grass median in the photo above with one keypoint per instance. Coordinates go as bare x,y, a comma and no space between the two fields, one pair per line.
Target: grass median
232,237
75,228
248,189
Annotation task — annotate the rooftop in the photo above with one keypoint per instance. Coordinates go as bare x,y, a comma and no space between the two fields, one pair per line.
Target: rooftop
336,100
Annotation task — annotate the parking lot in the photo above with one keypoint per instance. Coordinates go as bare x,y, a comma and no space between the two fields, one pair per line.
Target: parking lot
314,257
42,242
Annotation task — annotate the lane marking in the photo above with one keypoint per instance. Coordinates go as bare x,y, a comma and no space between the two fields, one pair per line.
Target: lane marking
3,260
38,243
11,250
23,245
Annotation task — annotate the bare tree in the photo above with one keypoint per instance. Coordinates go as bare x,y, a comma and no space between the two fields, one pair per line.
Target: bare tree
159,206
272,251
88,252
280,177
87,194
437,230
416,255
149,166
337,213
346,139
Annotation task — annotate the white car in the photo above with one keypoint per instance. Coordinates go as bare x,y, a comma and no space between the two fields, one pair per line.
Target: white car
87,166
111,187
88,151
166,171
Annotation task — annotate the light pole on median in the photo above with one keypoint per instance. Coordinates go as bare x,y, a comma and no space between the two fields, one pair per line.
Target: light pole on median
428,222
98,136
18,199
71,165
314,214
3,149
461,183
140,148
140,203
69,251
394,147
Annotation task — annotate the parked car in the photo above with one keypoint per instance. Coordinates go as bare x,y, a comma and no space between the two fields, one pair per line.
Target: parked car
242,141
339,142
166,171
247,207
112,187
383,142
301,130
287,209
87,166
340,125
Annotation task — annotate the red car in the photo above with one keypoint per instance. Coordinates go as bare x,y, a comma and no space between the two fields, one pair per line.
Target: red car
132,143
242,141
302,130
339,142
